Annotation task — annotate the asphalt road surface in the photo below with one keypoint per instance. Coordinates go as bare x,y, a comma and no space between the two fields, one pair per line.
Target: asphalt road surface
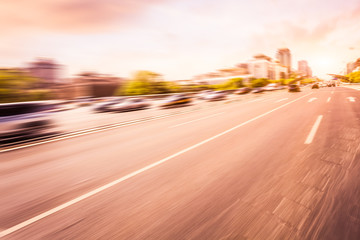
277,166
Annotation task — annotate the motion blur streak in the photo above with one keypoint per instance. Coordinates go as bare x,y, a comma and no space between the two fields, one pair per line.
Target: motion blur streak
82,197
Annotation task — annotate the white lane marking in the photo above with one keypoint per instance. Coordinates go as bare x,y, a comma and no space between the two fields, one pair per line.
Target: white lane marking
281,100
312,99
351,99
314,129
137,172
328,100
213,115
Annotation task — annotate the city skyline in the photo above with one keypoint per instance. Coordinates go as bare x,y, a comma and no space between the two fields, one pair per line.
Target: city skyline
178,39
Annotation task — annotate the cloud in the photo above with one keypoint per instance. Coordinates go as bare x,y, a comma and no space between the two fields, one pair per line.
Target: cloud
69,15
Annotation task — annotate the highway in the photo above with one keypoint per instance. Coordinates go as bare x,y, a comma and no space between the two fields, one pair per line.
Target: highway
276,166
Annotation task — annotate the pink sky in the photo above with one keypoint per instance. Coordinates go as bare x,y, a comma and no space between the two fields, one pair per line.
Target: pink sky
177,38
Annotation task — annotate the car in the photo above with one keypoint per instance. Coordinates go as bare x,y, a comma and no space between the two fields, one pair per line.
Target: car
243,90
104,106
26,120
280,87
270,87
294,88
130,104
83,101
203,94
216,96
257,90
315,86
176,100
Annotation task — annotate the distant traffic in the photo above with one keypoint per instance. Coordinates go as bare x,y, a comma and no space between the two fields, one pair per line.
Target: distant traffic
33,119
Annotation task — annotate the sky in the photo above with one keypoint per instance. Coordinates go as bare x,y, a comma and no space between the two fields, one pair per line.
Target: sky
177,38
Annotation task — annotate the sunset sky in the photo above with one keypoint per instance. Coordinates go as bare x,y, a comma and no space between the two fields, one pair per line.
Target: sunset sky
177,38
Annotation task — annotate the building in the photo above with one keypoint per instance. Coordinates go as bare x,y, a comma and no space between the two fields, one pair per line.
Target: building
262,66
46,70
89,84
284,57
351,66
223,75
304,69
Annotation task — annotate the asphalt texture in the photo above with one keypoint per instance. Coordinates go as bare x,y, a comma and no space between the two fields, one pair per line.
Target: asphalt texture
235,169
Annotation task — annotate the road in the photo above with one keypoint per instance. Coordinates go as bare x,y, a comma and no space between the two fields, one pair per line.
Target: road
277,166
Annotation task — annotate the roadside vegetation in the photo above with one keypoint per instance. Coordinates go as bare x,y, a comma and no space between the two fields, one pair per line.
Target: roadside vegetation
17,86
148,83
354,77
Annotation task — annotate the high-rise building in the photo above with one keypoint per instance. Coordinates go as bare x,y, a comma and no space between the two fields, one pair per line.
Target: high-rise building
284,57
262,66
304,68
350,67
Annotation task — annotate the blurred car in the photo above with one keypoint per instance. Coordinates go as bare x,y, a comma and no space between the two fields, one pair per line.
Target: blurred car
243,90
315,86
129,105
294,88
178,99
280,87
104,105
216,96
26,119
270,87
66,105
83,101
203,94
258,90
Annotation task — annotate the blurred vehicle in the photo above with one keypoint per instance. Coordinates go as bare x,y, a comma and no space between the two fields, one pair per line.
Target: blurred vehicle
129,105
26,119
203,94
178,99
243,90
294,88
322,84
280,87
66,105
258,90
83,101
104,105
315,86
216,96
332,84
270,87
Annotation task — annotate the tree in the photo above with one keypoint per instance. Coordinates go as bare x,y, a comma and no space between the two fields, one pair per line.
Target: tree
354,77
147,82
233,83
307,81
147,76
261,82
16,85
